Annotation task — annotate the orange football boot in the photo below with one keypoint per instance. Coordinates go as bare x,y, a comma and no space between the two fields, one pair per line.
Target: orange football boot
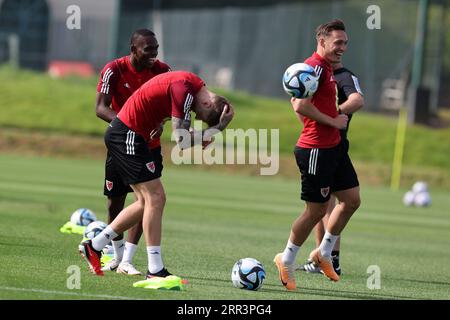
325,263
286,272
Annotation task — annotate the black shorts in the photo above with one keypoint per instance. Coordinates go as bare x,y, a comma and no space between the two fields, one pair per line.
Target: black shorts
324,171
129,160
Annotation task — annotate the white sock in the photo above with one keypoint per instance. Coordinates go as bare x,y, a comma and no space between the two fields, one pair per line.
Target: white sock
130,250
289,253
119,247
327,244
100,241
155,263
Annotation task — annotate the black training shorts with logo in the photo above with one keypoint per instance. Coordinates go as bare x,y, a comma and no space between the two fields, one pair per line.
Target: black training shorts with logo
114,186
324,171
130,155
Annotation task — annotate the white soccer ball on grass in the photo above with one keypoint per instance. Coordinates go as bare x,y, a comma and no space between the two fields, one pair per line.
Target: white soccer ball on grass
248,273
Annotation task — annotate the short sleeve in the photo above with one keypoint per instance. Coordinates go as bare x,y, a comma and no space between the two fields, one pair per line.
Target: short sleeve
349,84
108,79
318,69
182,97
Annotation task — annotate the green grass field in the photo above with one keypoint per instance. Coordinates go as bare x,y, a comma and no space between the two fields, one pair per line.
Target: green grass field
211,220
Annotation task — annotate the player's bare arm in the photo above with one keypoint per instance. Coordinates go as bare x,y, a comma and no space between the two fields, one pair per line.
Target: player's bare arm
299,116
225,118
205,136
180,128
305,108
354,102
102,107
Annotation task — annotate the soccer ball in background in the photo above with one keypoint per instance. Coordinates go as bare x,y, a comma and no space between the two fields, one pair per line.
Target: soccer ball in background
83,217
300,81
408,198
422,199
108,250
248,273
94,228
419,187
419,196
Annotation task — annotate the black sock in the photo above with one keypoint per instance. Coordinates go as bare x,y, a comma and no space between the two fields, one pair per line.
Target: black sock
335,253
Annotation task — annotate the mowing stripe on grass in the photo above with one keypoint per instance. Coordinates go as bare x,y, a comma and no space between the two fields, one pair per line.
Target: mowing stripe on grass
69,293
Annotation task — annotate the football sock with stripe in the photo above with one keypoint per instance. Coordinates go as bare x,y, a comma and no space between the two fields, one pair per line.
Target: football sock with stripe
155,263
327,244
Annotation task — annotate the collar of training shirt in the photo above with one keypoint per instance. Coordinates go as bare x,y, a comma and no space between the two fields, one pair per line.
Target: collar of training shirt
322,60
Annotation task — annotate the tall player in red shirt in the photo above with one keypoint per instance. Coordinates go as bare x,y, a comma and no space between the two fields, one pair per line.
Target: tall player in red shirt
169,95
321,160
118,80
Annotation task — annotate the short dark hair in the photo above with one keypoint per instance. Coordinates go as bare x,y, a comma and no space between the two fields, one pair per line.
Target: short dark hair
141,33
324,29
219,104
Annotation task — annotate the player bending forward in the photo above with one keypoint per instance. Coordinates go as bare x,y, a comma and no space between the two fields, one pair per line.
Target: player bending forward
169,95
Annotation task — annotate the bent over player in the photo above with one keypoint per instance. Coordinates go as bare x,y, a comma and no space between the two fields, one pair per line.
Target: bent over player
170,95
118,80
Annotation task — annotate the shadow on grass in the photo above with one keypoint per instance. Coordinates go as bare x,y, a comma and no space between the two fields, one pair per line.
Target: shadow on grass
343,294
305,291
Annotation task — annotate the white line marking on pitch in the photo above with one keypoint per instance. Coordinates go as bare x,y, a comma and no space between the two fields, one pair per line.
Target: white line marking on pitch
68,293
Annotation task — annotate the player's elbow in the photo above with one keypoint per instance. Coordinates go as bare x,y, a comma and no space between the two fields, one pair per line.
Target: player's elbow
357,102
98,111
299,106
360,102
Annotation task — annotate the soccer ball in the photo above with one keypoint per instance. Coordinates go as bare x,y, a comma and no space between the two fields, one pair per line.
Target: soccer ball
422,199
248,273
300,80
419,187
108,250
83,217
94,228
408,198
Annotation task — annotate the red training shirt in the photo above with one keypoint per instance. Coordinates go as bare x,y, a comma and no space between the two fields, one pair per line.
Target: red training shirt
160,98
119,79
314,134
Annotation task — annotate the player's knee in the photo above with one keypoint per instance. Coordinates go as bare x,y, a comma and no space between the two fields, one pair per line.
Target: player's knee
158,198
353,204
163,198
141,203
